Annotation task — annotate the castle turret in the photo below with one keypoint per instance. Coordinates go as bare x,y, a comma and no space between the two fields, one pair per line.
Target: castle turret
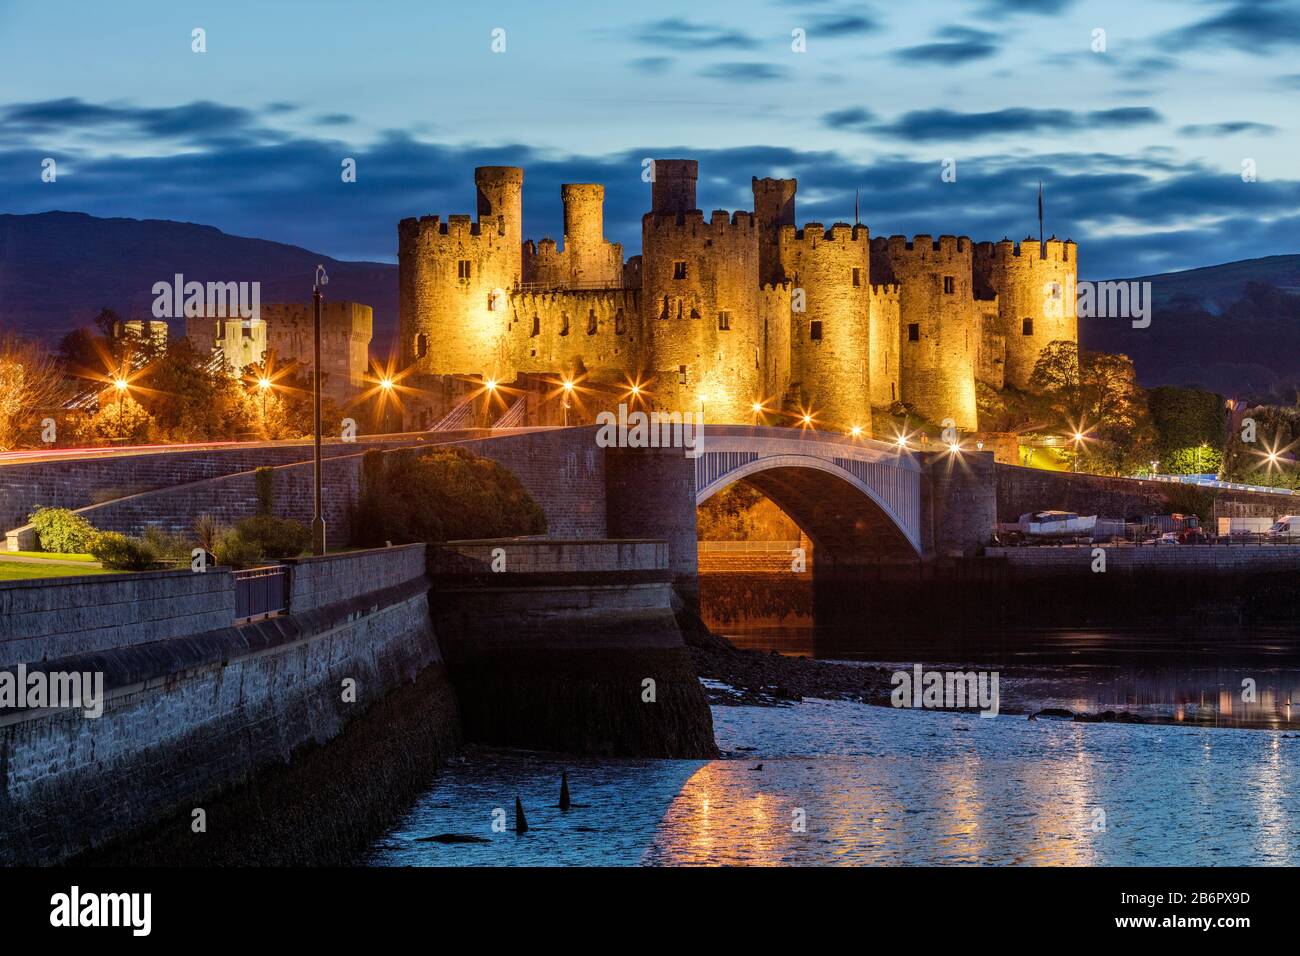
938,332
591,260
673,188
773,208
1035,287
500,193
830,339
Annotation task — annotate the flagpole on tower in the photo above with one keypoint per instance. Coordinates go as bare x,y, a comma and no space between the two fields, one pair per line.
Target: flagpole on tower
1042,249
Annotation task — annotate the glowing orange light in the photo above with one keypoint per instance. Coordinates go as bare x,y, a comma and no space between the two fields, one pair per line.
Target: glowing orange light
264,383
120,384
386,384
856,431
757,407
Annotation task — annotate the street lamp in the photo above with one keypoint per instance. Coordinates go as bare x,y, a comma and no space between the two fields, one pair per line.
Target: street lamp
567,386
318,516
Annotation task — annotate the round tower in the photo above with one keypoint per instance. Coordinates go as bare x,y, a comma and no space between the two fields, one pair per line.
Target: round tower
1035,287
830,339
590,258
500,193
938,331
773,208
673,188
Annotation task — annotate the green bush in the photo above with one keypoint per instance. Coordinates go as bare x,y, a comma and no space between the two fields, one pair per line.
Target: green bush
445,495
119,553
62,531
168,546
276,538
235,551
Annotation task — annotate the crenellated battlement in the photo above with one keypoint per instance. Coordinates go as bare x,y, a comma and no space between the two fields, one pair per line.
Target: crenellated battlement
923,246
884,290
1053,250
814,233
720,224
524,302
426,228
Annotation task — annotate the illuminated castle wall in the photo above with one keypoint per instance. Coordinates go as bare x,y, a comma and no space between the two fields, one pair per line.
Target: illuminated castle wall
721,312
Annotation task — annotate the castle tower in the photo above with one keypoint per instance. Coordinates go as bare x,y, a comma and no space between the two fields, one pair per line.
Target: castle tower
773,208
938,331
700,305
500,193
591,260
1035,287
831,340
673,188
454,279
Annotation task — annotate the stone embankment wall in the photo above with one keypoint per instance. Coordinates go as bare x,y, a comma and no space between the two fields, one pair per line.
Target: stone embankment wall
197,711
570,646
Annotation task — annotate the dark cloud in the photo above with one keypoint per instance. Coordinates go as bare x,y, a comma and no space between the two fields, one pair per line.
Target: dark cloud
1225,129
1247,25
289,190
677,33
335,119
1290,81
853,118
953,45
1003,8
200,122
743,72
931,125
652,64
843,24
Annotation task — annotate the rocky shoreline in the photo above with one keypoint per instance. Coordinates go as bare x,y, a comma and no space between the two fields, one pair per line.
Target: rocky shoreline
736,677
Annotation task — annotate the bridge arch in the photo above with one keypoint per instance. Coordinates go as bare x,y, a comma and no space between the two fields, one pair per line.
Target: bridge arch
855,499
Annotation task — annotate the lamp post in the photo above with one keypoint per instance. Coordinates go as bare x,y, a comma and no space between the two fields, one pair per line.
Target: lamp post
568,390
317,515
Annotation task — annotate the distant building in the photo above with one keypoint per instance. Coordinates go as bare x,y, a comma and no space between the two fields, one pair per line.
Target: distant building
283,333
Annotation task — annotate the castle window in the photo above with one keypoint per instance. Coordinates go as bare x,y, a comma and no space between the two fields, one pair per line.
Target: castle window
681,375
949,285
591,322
815,330
724,321
857,278
679,310
462,269
492,301
537,325
913,332
891,392
663,314
564,323
620,322
421,345
1056,290
1026,326
679,269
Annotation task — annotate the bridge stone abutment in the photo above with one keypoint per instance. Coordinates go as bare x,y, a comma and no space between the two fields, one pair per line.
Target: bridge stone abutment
959,503
650,493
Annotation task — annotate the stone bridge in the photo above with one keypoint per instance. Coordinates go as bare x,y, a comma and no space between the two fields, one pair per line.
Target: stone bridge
859,501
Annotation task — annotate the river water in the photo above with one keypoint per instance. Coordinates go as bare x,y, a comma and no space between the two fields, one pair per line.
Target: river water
1212,779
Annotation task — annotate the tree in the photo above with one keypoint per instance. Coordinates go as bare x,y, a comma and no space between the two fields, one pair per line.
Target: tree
120,421
31,385
1191,428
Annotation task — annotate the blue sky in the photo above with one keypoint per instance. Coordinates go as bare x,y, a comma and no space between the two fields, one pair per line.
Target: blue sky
1140,147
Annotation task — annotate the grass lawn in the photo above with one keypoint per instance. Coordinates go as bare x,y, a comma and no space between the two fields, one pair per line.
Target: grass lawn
21,570
47,555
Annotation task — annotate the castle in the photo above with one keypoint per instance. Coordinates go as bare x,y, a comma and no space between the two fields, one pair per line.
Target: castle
729,313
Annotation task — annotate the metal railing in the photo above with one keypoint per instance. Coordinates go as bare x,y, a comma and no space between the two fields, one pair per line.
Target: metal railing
513,416
261,592
742,546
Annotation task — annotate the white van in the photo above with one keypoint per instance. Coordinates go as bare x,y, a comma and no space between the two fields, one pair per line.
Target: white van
1287,526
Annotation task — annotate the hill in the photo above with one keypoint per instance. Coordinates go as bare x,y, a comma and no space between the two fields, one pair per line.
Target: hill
58,269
